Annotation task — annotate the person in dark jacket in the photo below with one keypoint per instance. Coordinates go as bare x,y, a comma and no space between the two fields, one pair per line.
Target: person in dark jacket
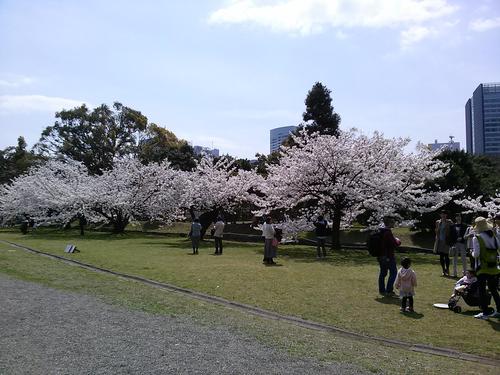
321,227
387,261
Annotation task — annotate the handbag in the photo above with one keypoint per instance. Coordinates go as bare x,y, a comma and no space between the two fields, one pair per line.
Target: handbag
275,242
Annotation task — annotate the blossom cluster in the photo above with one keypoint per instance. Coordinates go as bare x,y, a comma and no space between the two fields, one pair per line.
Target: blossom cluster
339,177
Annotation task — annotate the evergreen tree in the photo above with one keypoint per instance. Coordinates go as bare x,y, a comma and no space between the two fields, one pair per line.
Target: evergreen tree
320,111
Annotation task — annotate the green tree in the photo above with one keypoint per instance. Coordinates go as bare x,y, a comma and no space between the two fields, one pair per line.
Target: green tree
160,144
94,137
15,161
320,111
475,175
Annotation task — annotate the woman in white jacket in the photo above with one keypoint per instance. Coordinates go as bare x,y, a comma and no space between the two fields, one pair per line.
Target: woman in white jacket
268,233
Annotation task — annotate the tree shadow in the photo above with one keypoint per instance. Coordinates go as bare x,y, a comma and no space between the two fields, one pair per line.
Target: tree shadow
423,239
308,254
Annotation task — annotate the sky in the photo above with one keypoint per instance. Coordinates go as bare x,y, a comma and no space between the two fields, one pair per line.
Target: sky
223,73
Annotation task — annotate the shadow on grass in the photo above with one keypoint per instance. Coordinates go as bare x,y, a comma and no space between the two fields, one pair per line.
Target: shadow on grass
422,239
388,300
307,254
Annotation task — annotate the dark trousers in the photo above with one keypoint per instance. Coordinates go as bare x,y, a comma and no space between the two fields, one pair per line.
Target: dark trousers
218,245
444,259
387,265
410,302
492,282
320,245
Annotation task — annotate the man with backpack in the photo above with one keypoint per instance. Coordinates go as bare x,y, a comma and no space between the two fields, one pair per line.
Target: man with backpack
382,244
485,249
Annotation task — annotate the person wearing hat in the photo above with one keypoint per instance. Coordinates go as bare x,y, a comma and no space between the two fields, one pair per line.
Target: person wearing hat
485,249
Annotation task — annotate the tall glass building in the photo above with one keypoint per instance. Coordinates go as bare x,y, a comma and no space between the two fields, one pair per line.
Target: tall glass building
278,135
482,120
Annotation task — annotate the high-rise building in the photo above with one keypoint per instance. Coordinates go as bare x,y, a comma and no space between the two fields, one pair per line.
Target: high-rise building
278,135
482,120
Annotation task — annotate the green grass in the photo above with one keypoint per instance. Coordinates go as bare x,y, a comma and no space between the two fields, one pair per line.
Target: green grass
295,340
341,291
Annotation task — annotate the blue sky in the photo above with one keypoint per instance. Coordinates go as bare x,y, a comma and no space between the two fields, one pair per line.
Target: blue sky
223,73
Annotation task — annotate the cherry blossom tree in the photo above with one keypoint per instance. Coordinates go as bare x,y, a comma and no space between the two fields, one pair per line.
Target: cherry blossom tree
345,176
57,192
134,190
215,187
478,205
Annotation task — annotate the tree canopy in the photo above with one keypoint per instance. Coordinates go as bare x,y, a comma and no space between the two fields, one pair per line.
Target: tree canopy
16,160
161,144
94,137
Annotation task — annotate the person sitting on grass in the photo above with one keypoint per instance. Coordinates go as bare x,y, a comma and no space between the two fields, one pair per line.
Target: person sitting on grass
406,281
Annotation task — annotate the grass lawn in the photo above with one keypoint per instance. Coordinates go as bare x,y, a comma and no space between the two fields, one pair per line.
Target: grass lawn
341,291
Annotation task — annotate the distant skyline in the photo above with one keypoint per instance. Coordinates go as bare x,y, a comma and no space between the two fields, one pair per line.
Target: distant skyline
222,74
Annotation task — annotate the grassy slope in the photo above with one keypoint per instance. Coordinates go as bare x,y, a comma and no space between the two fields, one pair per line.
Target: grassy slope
341,291
295,340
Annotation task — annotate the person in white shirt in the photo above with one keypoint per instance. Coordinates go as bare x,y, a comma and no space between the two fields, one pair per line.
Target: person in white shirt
218,233
268,233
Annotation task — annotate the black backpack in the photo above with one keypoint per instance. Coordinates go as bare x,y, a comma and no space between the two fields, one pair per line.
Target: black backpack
374,243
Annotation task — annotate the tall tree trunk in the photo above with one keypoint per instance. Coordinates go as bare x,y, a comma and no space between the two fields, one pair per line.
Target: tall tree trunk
120,223
337,216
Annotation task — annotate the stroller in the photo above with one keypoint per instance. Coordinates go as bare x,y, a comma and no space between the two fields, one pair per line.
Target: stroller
469,293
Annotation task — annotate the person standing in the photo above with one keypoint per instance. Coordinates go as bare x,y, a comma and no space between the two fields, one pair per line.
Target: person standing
387,260
321,226
442,241
469,235
218,233
458,246
486,251
195,234
406,281
268,232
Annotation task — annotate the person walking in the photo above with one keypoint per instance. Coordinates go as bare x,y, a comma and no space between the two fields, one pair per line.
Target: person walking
406,281
195,235
458,248
268,232
321,226
486,252
218,229
442,241
387,260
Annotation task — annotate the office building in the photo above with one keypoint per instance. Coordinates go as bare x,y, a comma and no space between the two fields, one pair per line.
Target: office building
278,135
453,146
482,120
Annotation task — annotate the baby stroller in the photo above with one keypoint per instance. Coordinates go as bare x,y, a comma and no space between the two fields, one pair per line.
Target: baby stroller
469,293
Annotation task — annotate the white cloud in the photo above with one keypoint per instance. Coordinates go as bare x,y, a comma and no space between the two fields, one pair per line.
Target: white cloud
310,16
15,81
41,103
415,34
484,24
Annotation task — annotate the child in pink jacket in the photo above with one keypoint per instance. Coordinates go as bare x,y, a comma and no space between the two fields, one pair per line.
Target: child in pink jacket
406,281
